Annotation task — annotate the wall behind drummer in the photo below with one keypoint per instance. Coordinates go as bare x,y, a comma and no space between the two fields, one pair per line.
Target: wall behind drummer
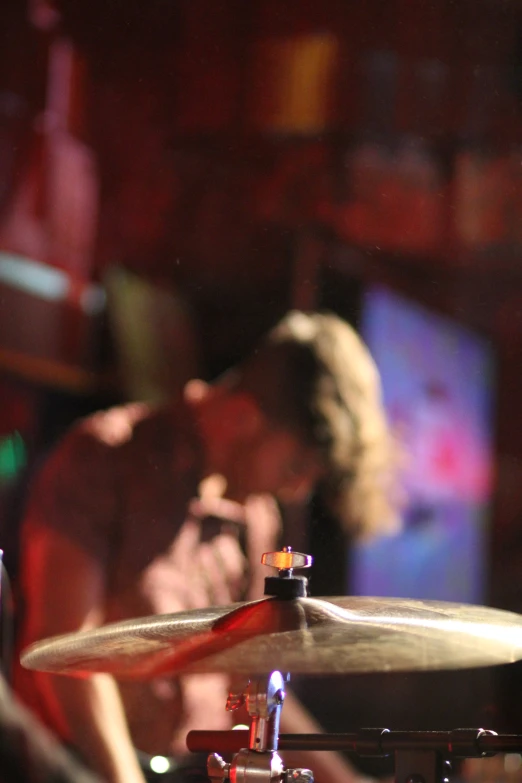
118,526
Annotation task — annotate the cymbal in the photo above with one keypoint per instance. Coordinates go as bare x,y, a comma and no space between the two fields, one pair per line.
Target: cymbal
301,636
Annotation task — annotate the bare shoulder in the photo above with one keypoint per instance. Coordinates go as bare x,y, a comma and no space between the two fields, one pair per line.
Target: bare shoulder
87,453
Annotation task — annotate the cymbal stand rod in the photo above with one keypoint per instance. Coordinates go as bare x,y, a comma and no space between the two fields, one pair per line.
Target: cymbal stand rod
264,701
459,743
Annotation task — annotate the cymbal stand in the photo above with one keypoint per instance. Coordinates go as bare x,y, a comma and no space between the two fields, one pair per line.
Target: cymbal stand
260,762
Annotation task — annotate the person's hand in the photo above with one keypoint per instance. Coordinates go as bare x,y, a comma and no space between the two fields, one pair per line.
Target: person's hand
260,517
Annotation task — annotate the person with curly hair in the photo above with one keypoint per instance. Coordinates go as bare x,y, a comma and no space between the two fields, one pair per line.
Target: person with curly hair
143,510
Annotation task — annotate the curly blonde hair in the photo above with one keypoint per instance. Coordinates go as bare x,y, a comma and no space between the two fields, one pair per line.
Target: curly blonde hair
314,375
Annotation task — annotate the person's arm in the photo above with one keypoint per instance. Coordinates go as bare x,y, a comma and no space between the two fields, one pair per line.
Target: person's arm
64,590
30,753
65,558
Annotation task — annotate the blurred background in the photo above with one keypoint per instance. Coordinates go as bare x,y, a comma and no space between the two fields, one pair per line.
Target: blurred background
176,174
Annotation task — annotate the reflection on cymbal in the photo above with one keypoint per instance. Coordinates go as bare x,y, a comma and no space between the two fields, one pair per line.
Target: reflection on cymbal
302,636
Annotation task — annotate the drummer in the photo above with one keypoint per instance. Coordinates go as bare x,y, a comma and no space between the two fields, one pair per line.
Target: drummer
141,511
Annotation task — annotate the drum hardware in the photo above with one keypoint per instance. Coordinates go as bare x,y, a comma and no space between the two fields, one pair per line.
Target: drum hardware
420,756
371,743
263,697
289,631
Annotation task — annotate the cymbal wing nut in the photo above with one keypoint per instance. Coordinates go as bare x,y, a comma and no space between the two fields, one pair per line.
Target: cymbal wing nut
286,560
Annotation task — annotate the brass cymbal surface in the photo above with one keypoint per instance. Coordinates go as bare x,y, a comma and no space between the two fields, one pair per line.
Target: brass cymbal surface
302,636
